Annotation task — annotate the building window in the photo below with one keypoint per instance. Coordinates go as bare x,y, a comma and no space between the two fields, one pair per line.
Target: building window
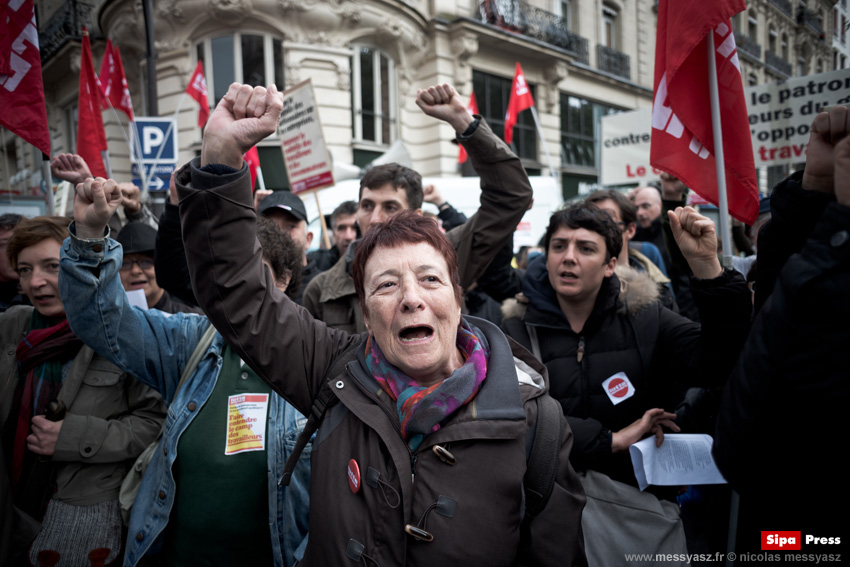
492,93
374,96
752,80
255,59
772,38
783,45
564,9
752,27
580,125
609,27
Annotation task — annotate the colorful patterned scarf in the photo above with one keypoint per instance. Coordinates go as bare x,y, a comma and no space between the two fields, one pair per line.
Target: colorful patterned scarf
422,410
40,355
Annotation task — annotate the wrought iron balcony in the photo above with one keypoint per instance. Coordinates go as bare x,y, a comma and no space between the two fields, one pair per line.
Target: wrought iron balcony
783,5
747,45
807,17
613,61
66,23
523,18
777,63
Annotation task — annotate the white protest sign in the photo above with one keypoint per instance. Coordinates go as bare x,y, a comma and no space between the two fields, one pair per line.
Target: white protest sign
305,154
625,148
780,115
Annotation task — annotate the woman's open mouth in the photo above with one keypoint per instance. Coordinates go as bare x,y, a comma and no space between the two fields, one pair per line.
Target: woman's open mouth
415,333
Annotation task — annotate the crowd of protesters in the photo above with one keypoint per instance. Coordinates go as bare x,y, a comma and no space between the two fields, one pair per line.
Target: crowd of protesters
386,400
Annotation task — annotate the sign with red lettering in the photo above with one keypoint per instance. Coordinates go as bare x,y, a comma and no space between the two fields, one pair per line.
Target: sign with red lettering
780,115
305,154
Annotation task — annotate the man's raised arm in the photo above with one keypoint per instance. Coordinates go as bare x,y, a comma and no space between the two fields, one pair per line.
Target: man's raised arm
505,189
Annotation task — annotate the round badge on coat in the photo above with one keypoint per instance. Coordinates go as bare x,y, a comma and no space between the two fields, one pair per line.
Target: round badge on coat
618,388
353,476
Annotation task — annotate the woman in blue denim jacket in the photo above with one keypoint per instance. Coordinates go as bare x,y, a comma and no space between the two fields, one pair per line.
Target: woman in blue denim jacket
220,515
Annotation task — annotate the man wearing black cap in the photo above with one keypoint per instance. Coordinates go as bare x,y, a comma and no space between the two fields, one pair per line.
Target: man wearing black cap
137,272
287,211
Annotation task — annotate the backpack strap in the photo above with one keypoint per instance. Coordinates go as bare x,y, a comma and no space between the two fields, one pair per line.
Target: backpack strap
535,342
200,350
323,400
542,459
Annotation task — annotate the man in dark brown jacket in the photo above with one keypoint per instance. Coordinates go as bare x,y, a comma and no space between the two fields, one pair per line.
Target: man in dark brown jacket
371,494
388,189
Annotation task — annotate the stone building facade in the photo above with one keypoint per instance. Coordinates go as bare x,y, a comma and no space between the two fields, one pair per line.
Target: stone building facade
366,58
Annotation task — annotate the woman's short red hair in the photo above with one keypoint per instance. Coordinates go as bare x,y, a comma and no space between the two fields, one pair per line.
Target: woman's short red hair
407,227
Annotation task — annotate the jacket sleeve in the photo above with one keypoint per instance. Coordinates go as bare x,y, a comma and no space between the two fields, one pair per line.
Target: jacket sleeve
794,212
144,343
794,363
704,354
280,340
554,537
169,258
505,196
93,439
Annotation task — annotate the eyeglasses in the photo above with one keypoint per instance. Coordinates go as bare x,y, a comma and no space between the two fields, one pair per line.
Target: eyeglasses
144,263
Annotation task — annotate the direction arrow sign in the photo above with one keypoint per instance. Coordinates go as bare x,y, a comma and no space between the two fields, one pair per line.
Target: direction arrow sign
157,138
156,183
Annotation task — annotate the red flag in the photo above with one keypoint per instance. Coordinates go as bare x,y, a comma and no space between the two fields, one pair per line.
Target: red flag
113,83
91,139
519,101
252,157
682,135
471,108
22,109
197,89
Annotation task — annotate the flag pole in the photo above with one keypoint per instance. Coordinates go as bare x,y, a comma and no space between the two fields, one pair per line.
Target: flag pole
136,144
167,133
722,204
260,179
48,184
543,142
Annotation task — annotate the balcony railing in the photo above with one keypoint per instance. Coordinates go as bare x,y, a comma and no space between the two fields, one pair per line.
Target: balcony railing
66,23
521,17
777,63
613,61
807,17
747,45
785,6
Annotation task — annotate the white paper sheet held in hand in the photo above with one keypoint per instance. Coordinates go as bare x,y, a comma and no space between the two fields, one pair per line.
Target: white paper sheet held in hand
682,459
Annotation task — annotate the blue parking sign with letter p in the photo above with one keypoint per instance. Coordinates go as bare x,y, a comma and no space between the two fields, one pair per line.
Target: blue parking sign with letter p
157,140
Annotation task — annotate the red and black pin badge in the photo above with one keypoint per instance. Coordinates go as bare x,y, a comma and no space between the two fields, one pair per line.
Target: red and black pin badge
353,476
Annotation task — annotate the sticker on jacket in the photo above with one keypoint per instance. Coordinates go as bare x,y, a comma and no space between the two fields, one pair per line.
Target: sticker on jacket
246,423
619,388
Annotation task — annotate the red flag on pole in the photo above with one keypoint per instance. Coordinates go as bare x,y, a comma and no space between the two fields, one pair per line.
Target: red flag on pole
519,101
471,108
252,158
91,138
197,89
113,83
682,134
22,110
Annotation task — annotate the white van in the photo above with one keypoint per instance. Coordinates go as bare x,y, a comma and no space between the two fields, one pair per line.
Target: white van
462,192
